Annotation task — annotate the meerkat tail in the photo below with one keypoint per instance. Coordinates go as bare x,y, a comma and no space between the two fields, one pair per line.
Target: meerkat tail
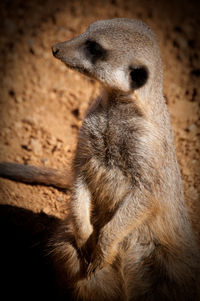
36,175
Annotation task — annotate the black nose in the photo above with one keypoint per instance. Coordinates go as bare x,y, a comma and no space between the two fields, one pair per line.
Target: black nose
55,50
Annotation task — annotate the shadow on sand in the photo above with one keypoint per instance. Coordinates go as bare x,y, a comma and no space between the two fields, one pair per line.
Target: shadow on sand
27,272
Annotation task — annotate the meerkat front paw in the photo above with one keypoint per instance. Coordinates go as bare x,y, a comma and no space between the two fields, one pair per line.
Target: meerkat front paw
80,241
85,252
97,262
100,259
88,248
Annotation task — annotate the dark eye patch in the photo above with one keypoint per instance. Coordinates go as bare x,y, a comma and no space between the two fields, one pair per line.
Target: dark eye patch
95,51
139,76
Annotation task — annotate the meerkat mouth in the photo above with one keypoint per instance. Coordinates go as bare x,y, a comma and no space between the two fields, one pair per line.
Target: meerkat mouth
80,69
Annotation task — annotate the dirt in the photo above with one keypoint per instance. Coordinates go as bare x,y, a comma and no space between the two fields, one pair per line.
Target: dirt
43,103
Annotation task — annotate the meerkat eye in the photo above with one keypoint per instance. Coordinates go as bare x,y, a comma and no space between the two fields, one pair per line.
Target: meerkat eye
94,51
139,76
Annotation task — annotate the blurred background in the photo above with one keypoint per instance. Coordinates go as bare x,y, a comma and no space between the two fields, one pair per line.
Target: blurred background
42,104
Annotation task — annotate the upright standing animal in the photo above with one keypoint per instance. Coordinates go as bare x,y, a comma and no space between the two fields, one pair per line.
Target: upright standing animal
127,235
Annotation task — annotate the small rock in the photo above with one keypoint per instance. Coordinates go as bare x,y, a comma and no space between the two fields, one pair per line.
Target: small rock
18,159
192,128
18,125
36,146
58,145
44,160
26,159
18,99
52,140
46,210
52,95
29,120
59,199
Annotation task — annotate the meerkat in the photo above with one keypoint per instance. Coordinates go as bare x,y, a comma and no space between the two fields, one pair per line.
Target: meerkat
127,235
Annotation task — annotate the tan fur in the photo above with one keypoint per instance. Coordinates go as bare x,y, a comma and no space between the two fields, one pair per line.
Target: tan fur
127,235
36,175
126,161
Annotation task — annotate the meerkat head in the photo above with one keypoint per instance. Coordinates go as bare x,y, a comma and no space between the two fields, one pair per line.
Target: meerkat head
120,53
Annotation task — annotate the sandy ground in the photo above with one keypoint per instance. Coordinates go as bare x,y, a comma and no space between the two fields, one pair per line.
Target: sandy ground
42,104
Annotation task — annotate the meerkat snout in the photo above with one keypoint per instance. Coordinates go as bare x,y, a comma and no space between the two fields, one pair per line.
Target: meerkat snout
58,50
55,50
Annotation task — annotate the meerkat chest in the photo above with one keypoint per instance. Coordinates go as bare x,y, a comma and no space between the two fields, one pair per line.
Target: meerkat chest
108,147
109,134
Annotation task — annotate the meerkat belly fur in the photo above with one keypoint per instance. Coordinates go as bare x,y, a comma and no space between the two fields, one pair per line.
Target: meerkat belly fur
127,235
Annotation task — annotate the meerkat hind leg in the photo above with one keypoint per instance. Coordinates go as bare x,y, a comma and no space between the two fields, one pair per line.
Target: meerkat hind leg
106,284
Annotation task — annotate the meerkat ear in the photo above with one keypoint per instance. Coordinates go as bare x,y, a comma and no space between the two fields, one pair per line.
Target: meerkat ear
139,76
